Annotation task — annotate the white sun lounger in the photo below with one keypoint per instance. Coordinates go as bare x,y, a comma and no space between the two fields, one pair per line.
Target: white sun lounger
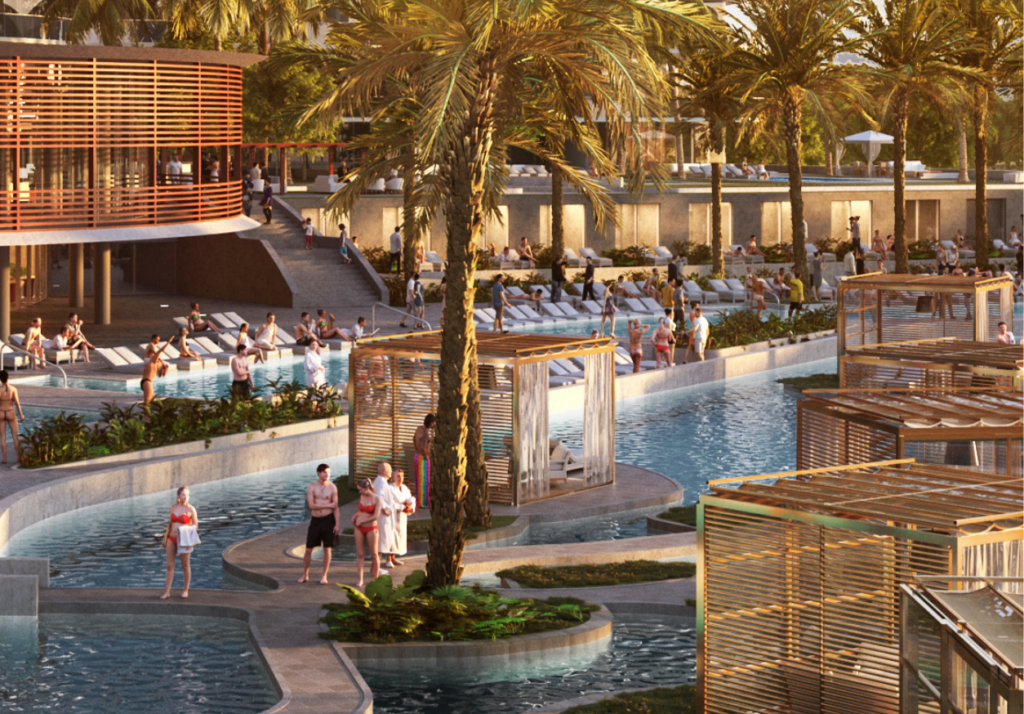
597,260
533,315
636,306
725,292
515,291
652,305
663,252
181,322
693,292
966,253
173,356
623,364
599,290
131,362
223,322
644,364
551,310
545,291
573,260
591,306
238,319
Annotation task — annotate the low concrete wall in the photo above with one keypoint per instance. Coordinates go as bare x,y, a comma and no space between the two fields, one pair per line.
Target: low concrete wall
535,646
38,568
38,503
19,596
660,525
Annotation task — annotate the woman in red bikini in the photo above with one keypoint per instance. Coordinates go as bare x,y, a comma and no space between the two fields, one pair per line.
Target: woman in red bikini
365,529
182,514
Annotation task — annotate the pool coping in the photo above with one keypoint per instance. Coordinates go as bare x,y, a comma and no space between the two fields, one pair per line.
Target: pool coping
509,584
597,628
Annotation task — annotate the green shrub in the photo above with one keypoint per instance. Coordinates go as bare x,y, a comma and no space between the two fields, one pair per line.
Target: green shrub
741,327
596,575
663,700
64,438
386,614
700,255
686,515
780,253
379,258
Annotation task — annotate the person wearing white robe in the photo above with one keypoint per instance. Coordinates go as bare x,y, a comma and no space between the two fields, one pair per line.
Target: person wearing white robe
314,367
385,530
403,505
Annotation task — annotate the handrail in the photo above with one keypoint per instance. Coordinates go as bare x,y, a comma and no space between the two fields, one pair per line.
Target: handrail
373,316
4,345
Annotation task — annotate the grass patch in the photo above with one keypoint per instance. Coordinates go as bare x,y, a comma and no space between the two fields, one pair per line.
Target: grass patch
815,381
414,612
584,576
663,700
419,529
687,515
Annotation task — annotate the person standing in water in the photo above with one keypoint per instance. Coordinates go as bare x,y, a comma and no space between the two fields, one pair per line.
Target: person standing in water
9,402
182,514
322,501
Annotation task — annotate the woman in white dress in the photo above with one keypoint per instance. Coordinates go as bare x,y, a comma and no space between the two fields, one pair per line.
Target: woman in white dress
403,505
315,368
385,529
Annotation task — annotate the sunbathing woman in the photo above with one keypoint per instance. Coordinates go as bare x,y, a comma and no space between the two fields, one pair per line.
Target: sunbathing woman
9,402
250,346
197,323
364,524
77,339
183,347
33,342
325,326
266,335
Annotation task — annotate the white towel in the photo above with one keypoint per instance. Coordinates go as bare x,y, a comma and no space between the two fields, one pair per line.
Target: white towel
188,538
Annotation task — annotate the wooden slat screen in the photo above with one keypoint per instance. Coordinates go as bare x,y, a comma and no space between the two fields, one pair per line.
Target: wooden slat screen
825,438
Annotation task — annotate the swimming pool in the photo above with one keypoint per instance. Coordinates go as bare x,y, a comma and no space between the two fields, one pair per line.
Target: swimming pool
646,651
583,327
35,415
130,663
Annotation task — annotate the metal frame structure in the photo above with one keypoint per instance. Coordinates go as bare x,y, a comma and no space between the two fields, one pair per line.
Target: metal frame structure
395,384
883,308
960,650
942,363
974,428
799,575
89,126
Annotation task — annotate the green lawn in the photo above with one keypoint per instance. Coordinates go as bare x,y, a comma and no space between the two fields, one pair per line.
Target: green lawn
596,575
687,515
664,700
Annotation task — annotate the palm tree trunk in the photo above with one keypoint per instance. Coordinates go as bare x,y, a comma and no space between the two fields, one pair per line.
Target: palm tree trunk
478,509
218,43
961,153
899,156
410,227
829,170
717,261
679,154
792,114
980,176
557,226
463,173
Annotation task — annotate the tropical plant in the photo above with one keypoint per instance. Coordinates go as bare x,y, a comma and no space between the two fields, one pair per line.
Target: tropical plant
480,68
415,611
596,574
112,20
993,55
912,45
785,58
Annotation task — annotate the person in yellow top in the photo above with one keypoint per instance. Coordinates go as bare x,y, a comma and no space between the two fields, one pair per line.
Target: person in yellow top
796,294
666,294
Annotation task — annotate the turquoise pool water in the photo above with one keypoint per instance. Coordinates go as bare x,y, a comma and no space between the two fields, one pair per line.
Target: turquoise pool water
646,651
128,663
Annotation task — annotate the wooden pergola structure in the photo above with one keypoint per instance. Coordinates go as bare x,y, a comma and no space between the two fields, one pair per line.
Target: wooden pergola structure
881,308
974,428
395,384
962,649
799,577
941,363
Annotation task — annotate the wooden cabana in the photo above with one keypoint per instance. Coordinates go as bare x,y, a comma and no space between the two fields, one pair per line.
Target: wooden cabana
942,363
973,428
395,384
799,575
880,308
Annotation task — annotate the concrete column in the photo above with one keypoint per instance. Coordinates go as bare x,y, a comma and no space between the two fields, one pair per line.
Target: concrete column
5,292
76,275
101,283
19,596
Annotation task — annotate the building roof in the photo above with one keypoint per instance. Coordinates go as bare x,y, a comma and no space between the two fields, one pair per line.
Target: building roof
948,351
78,53
491,344
937,498
924,283
966,408
989,616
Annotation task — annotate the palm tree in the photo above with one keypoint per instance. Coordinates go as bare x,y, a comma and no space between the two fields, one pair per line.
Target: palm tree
219,18
785,57
708,88
481,66
912,45
111,20
994,55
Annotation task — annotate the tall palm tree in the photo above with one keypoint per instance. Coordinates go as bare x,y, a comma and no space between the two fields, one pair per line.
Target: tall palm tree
476,64
785,58
112,20
912,45
994,53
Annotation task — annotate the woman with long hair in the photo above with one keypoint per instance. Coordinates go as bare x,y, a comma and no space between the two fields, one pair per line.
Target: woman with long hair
364,527
182,514
8,404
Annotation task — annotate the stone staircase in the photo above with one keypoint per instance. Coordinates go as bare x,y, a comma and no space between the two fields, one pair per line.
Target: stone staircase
320,277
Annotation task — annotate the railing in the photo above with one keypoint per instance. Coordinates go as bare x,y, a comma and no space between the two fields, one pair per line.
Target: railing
373,316
7,345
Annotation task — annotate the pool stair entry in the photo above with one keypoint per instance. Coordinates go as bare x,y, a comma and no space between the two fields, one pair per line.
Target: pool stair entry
20,581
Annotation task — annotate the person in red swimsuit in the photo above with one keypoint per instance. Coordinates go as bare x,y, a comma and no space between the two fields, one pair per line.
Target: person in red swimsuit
365,523
182,514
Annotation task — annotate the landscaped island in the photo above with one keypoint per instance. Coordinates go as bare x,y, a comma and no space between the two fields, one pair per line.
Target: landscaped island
597,575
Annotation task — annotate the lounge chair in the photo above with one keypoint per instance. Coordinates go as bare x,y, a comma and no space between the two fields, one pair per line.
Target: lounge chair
693,292
238,319
182,322
58,356
965,253
119,363
220,353
725,292
597,260
663,252
482,319
173,356
432,263
623,364
551,310
652,258
15,360
517,314
574,260
811,249
599,290
570,311
558,375
544,291
827,291
644,364
533,315
591,306
736,286
1010,250
136,362
563,463
652,305
515,291
638,307
224,322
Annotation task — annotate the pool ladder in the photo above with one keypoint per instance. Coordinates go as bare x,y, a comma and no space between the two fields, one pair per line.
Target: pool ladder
7,345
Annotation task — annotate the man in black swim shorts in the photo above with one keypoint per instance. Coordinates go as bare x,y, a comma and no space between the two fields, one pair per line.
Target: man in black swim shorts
322,500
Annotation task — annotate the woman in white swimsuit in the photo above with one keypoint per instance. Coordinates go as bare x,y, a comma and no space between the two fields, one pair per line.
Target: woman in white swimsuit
246,341
267,334
9,403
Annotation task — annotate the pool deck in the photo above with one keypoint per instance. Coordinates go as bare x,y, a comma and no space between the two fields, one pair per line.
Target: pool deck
316,677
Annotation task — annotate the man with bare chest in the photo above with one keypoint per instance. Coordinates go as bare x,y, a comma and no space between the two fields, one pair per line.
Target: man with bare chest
322,500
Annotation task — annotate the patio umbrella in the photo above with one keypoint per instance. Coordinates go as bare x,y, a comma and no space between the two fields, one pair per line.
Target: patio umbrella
871,144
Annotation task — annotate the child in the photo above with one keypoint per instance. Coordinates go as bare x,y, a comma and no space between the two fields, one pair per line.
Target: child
309,234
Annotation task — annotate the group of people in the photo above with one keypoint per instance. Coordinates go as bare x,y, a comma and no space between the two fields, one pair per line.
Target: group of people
70,337
664,338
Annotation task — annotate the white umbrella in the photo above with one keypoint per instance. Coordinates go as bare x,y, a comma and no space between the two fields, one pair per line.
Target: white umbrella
871,143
